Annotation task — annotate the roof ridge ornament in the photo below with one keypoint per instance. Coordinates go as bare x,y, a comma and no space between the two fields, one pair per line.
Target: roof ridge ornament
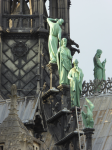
13,97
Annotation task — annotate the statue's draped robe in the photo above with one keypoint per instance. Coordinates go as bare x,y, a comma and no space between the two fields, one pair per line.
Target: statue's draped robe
75,86
55,29
99,73
64,62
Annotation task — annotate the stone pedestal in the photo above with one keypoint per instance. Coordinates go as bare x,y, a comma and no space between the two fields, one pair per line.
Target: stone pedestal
65,90
73,109
71,141
52,68
0,58
88,132
48,98
75,143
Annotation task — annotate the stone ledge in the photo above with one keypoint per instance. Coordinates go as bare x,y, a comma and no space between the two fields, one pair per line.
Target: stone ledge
68,137
49,93
58,115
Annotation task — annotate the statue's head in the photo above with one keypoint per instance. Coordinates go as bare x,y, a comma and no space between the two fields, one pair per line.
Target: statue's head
75,62
60,21
64,42
99,52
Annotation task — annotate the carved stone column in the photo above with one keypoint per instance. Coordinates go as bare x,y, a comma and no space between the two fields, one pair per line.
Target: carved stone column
73,109
1,12
50,95
21,6
66,18
0,58
41,7
41,13
52,68
88,132
75,142
65,89
8,6
50,11
36,6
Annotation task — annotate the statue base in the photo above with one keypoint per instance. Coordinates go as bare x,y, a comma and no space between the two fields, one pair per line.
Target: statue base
53,68
65,90
88,132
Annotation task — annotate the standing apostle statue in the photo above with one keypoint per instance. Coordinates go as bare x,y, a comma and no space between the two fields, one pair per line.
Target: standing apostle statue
75,76
64,62
54,36
99,68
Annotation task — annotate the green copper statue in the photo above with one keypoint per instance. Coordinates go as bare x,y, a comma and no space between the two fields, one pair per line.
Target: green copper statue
54,36
76,76
99,68
88,117
64,62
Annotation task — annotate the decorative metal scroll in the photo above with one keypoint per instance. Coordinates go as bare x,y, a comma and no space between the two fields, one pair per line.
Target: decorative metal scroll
97,87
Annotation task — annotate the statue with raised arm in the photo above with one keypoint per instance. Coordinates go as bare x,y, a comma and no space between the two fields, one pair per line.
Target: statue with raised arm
54,36
88,117
76,77
99,68
64,62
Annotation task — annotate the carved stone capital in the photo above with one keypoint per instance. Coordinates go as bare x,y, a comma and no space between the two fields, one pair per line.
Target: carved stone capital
64,88
64,95
52,68
89,131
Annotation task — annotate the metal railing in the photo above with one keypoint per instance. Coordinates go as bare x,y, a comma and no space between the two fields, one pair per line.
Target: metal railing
97,87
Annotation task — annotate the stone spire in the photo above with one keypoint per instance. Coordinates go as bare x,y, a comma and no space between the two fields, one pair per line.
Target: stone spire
12,131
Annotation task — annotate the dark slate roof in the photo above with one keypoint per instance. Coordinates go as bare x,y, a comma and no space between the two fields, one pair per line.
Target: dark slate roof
27,109
102,115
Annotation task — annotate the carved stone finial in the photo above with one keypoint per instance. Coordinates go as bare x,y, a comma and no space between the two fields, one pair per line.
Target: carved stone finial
13,96
12,131
13,90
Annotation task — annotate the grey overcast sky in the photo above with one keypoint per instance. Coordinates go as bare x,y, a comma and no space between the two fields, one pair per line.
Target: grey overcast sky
91,28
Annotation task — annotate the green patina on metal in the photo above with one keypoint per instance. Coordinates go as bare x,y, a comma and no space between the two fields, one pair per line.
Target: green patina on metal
88,117
64,62
54,36
75,76
99,68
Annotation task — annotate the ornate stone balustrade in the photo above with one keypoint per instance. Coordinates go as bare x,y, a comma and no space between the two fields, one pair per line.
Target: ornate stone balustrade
23,22
97,87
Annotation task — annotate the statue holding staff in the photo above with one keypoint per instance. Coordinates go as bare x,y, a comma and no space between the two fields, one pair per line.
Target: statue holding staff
54,36
75,76
64,62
